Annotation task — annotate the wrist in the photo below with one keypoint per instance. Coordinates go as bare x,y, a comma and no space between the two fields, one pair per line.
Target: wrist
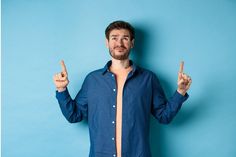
61,89
182,92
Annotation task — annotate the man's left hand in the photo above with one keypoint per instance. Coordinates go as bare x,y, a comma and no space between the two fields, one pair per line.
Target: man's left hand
184,81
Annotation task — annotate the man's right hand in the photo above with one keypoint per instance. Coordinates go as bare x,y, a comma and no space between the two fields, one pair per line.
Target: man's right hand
61,79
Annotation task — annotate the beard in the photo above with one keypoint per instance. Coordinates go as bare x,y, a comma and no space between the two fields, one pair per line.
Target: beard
121,56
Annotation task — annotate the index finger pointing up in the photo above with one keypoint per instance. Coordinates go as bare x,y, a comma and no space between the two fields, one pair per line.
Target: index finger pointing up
181,67
63,66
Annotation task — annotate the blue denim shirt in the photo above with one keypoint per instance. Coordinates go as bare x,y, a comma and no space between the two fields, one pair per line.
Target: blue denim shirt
96,102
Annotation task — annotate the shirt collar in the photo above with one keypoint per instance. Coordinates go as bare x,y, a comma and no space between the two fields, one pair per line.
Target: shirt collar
106,67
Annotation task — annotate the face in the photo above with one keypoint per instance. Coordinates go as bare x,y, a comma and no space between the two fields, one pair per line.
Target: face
119,44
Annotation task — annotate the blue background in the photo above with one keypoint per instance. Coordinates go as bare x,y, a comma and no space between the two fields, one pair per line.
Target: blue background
37,34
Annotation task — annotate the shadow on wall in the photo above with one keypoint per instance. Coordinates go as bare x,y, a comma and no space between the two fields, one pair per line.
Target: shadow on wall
157,134
158,140
140,46
157,137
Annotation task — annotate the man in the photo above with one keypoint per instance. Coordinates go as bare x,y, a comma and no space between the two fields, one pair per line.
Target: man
118,99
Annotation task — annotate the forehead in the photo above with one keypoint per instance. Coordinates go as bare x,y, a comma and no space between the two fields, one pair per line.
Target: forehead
119,32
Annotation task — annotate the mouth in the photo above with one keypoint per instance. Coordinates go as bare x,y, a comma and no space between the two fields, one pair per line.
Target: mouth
120,48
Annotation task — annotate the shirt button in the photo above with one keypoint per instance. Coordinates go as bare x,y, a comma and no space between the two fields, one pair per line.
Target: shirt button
112,75
113,106
113,138
114,89
114,155
113,122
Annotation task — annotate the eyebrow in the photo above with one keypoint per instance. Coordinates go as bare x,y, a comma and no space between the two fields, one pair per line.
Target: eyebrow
118,35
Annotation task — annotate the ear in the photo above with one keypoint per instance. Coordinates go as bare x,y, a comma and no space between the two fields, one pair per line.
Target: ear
132,43
107,43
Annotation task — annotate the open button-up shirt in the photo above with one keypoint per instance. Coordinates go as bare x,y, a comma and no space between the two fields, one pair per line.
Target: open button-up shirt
96,102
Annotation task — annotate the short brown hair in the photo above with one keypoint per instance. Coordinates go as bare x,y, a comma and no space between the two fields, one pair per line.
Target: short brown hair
120,25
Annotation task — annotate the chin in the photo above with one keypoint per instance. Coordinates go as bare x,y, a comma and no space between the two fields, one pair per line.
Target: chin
120,52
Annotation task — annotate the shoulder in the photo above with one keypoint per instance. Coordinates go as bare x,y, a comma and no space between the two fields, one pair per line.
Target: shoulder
148,74
94,74
145,71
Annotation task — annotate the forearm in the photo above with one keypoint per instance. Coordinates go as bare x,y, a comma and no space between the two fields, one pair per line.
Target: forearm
68,106
167,110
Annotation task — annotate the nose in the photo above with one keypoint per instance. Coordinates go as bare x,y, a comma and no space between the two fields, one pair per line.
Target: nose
120,42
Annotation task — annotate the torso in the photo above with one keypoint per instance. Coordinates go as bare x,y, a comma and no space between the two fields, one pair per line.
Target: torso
121,76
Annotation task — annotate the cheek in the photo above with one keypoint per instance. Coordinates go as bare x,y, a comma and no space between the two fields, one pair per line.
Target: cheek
128,44
110,45
113,46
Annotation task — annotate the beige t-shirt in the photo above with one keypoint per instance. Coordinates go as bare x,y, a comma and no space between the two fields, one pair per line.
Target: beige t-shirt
121,76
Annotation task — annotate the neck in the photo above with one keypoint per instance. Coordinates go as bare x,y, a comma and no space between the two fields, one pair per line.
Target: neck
120,64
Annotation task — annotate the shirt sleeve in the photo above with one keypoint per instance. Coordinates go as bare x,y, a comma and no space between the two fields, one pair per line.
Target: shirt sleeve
77,109
162,109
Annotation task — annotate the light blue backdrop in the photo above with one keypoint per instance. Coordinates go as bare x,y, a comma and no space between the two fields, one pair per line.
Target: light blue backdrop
37,34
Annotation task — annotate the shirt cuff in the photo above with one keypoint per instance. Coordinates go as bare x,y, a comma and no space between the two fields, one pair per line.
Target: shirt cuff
62,95
179,97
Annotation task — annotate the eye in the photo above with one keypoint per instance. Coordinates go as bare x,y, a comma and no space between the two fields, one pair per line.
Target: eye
113,38
126,38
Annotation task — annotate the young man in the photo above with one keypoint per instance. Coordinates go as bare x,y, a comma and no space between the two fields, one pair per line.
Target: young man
118,99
